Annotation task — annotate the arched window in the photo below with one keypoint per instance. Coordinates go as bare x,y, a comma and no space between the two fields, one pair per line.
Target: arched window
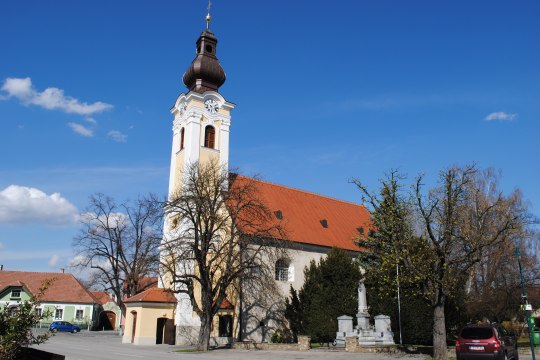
282,270
182,139
209,137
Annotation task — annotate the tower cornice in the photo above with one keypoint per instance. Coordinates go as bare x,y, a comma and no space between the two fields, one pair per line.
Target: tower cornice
184,99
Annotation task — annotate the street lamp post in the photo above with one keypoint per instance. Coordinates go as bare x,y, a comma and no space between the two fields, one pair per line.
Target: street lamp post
525,303
399,303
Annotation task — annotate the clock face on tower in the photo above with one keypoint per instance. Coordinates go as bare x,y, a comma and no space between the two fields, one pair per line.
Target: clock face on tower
211,105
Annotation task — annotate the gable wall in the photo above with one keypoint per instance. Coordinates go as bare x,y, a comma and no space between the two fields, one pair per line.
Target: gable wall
5,296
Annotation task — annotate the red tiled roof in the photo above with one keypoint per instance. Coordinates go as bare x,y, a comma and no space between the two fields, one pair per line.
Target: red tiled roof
145,283
102,297
153,295
65,288
17,283
226,304
304,213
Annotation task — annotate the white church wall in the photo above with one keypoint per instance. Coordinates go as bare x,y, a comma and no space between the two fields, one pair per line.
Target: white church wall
263,310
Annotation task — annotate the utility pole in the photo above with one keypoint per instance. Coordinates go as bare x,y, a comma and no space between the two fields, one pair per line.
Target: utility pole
526,305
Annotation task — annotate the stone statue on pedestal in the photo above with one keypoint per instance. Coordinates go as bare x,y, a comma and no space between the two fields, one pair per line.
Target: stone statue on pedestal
380,334
362,316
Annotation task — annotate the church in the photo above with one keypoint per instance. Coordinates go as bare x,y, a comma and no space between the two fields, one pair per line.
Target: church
202,120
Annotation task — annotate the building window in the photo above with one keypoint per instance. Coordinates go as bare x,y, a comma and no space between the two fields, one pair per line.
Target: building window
209,137
58,314
13,309
39,312
174,222
182,139
282,270
225,326
16,293
79,314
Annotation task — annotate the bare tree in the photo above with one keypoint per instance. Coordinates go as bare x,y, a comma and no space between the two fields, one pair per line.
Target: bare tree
220,232
441,239
494,283
461,220
120,243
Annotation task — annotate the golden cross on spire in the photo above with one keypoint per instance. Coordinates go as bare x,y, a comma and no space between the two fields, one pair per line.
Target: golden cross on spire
208,17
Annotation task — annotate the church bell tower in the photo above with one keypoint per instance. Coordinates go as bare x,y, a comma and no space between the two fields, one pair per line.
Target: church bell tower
202,117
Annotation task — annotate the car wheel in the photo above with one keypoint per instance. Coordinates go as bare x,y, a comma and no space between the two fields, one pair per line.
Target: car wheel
54,330
334,343
74,331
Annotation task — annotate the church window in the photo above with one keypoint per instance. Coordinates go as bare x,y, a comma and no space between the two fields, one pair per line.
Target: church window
182,139
209,137
174,222
282,270
225,325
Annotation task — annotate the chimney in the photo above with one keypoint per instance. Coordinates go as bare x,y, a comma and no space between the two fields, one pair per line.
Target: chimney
62,269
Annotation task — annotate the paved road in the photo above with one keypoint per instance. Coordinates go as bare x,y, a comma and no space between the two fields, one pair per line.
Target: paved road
107,346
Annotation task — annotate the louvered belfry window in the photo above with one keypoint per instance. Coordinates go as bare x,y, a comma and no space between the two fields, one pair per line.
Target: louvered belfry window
209,137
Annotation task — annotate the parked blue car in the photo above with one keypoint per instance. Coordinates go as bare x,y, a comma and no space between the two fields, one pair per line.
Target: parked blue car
64,326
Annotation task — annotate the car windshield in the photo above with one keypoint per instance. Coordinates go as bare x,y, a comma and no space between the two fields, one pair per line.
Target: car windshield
477,333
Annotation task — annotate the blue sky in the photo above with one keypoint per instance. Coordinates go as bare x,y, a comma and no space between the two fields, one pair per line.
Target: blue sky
325,91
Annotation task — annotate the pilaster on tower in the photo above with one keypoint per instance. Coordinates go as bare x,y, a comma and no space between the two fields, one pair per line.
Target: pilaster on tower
202,116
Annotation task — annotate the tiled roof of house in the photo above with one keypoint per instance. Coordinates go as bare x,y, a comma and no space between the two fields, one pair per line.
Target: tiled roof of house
226,305
147,283
144,283
102,297
310,218
64,288
158,295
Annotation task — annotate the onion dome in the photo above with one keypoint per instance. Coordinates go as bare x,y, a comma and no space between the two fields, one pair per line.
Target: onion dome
205,73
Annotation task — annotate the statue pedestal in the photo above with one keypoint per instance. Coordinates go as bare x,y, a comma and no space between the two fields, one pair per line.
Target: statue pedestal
383,329
362,319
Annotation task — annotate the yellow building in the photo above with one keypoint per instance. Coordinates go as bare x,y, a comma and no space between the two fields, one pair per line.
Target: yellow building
315,223
149,318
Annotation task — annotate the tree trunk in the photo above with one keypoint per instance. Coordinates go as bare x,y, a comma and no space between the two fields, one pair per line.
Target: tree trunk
440,350
123,318
204,332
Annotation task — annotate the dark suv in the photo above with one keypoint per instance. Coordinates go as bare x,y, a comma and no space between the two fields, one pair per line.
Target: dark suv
486,341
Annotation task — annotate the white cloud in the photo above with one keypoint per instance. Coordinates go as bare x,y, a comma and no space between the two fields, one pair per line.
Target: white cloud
501,116
117,136
51,98
24,205
91,120
54,260
113,220
19,88
84,262
81,129
77,261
